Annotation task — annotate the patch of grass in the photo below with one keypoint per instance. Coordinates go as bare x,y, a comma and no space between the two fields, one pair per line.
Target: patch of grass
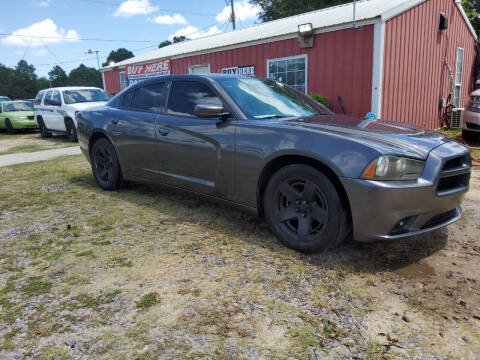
119,261
375,351
23,149
87,253
303,337
93,302
37,288
148,300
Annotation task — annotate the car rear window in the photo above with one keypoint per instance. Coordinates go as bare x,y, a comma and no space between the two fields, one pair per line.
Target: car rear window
185,95
149,98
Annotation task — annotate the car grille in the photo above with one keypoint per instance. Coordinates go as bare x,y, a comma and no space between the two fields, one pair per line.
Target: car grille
472,126
440,219
455,175
31,117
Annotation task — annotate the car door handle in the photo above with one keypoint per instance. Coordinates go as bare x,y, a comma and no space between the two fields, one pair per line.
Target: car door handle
115,121
163,131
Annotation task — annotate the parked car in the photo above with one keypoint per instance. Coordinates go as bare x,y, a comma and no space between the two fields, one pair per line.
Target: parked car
4,98
271,150
15,115
471,117
55,108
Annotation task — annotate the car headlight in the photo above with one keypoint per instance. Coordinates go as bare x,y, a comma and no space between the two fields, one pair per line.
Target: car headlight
393,168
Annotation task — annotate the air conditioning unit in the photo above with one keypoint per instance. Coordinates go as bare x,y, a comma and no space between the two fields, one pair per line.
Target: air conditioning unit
456,121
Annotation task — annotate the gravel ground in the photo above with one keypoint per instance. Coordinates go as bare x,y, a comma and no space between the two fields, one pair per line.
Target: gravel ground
147,273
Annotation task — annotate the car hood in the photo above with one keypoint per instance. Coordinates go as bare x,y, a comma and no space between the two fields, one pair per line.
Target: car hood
18,114
86,105
386,136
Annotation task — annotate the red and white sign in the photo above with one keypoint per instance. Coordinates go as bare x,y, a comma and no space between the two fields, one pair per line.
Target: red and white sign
136,73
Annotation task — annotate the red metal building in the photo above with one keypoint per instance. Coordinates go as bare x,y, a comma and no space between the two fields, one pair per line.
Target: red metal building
396,59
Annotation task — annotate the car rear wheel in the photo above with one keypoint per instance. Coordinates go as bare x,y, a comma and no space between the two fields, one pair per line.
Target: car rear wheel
304,210
71,130
43,129
105,166
9,126
469,135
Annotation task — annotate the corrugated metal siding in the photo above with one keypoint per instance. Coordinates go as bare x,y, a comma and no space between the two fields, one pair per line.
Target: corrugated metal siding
112,81
340,64
413,63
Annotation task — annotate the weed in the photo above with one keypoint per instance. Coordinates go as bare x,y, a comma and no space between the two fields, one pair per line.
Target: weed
37,288
148,300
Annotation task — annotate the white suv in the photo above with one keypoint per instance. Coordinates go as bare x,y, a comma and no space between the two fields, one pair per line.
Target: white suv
55,108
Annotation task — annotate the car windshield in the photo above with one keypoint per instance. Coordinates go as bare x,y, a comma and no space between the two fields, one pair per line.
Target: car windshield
84,95
4,98
18,106
267,99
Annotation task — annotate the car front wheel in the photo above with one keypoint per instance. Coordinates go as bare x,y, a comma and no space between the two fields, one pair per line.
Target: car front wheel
71,131
10,129
105,166
304,210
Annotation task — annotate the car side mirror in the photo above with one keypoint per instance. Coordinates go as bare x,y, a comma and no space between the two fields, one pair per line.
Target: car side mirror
210,111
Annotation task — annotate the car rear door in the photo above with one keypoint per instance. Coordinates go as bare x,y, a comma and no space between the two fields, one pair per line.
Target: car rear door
133,129
51,116
196,153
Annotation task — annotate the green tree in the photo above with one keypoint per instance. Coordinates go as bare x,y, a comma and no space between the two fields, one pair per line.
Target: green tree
473,15
58,76
277,9
85,76
118,55
176,39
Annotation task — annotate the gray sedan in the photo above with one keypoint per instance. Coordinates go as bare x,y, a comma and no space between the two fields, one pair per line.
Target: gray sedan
266,148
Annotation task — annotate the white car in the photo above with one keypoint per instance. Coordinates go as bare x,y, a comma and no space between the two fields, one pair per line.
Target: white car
55,108
471,117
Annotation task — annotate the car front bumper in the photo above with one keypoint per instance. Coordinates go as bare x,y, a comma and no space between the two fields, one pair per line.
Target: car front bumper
389,210
24,124
471,121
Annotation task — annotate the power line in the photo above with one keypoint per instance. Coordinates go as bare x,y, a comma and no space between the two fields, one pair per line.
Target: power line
75,38
148,7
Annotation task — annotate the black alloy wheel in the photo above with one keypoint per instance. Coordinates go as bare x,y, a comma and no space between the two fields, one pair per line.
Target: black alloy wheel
304,209
44,133
105,166
10,129
71,131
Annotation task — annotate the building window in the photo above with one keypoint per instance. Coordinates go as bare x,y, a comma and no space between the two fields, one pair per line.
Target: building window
291,71
123,80
458,78
199,69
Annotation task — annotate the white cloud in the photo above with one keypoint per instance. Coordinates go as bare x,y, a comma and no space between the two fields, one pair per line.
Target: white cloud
19,52
192,32
41,52
46,29
130,8
43,3
243,11
170,19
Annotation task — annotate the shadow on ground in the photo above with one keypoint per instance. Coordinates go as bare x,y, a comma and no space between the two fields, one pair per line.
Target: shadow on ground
352,256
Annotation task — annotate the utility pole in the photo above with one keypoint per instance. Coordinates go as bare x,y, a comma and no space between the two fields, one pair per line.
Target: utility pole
90,51
232,16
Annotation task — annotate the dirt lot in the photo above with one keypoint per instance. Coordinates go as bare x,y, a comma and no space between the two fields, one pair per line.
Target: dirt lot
149,273
29,142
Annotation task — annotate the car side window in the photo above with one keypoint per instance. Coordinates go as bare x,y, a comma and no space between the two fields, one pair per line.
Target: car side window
47,98
185,95
56,96
149,98
126,100
38,99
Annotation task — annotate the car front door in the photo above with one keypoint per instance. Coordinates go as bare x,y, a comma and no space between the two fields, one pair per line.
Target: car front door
196,153
51,116
133,130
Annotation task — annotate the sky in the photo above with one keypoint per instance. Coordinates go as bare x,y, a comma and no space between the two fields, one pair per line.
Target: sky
50,32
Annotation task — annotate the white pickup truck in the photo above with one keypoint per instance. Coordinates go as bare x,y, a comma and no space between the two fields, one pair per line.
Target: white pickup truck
55,108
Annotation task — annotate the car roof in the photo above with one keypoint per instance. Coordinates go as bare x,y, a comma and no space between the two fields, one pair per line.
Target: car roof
63,88
213,76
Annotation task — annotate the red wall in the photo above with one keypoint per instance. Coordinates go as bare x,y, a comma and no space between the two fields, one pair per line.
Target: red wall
413,62
339,64
112,81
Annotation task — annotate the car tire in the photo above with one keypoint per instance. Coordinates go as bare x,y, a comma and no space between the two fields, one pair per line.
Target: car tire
10,129
71,130
44,133
469,135
105,165
304,209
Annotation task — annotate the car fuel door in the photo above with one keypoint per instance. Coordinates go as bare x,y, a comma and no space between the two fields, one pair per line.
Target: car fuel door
196,153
